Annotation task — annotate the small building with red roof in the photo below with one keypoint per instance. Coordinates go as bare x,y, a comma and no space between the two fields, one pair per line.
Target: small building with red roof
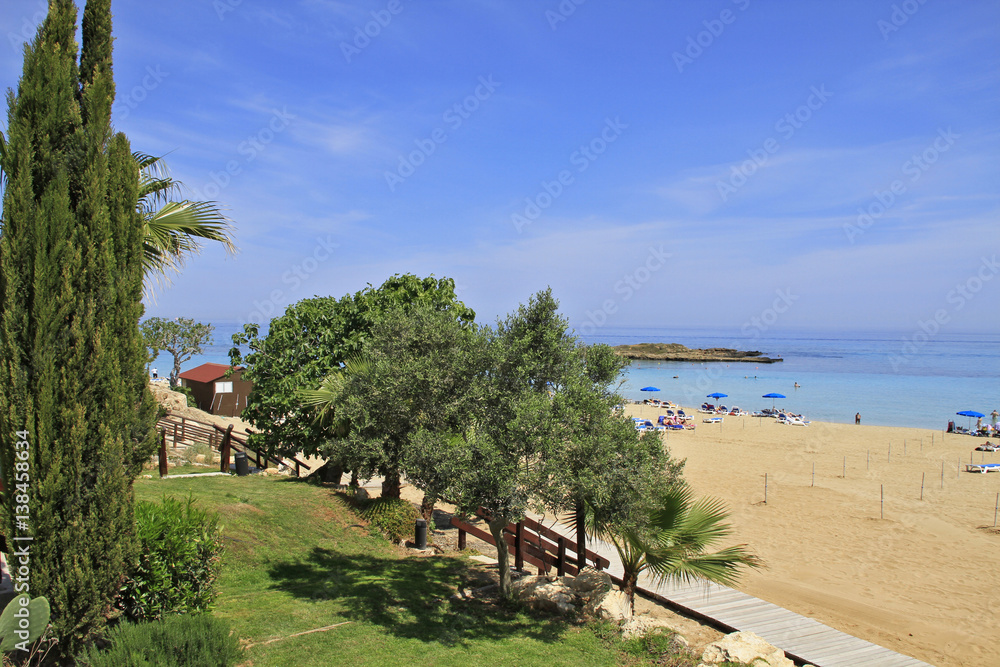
216,390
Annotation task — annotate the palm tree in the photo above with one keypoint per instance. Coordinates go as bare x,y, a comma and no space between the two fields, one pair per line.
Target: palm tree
173,226
674,543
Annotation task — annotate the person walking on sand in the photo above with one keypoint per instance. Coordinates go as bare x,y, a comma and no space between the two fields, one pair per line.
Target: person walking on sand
155,374
993,418
857,418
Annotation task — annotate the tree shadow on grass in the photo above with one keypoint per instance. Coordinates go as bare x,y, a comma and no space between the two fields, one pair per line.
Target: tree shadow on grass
410,598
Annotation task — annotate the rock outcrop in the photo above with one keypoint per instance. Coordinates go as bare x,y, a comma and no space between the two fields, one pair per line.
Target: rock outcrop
744,647
564,595
678,352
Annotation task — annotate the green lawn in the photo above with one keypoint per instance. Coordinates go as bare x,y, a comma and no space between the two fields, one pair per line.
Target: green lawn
297,560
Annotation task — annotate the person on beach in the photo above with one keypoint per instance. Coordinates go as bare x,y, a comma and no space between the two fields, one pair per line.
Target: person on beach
993,418
857,418
155,375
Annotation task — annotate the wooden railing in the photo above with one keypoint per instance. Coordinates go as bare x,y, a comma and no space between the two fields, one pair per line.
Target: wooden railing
177,430
545,549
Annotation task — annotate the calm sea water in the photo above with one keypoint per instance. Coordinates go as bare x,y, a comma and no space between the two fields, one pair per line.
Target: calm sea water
892,379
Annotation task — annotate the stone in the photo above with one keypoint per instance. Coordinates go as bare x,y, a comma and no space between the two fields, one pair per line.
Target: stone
199,458
361,493
614,607
745,647
640,626
544,595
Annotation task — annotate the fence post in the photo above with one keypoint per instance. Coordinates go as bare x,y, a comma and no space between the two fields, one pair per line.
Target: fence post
461,539
561,556
518,553
224,450
163,452
183,428
175,435
581,537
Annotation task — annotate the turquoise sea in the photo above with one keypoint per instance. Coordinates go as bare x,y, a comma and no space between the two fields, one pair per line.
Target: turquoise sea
912,378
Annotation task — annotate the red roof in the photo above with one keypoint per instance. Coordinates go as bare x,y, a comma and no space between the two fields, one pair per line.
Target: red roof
207,372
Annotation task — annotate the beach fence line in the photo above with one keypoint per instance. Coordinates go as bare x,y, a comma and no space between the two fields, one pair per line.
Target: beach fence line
546,549
184,431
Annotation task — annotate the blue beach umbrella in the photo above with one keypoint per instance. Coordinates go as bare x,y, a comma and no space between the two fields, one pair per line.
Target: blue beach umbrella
970,414
718,395
773,396
650,389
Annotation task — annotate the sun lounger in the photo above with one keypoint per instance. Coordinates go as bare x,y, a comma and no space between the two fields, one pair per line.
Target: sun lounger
712,420
982,467
988,447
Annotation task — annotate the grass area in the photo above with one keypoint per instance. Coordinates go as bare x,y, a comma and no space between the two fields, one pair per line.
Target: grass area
298,560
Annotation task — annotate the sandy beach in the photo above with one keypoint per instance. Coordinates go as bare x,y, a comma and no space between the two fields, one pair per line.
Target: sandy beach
923,580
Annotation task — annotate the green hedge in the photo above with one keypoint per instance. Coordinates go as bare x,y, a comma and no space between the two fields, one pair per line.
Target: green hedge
179,560
176,641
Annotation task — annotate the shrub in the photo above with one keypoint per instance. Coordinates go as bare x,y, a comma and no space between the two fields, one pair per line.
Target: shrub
180,553
393,516
194,450
181,389
176,641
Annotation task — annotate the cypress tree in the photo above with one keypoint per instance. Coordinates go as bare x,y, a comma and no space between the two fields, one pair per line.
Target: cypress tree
72,381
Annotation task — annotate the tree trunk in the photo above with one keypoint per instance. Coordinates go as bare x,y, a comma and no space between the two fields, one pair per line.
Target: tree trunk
630,581
391,484
581,536
354,479
175,373
503,555
427,506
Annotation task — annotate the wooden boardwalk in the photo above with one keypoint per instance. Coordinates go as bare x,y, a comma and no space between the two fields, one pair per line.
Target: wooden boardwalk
800,637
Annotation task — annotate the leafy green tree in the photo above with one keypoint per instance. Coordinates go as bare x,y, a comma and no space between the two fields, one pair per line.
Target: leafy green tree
673,541
182,337
312,339
415,378
76,419
172,225
502,465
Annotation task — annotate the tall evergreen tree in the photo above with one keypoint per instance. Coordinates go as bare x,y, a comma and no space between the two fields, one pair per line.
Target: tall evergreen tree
72,382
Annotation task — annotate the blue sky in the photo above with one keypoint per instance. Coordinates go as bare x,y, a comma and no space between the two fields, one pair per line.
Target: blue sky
658,164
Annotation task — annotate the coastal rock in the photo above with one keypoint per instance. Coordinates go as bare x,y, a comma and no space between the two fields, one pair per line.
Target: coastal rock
640,626
564,595
614,607
745,647
171,400
678,352
539,593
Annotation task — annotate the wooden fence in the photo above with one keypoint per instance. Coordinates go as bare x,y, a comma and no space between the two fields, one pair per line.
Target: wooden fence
177,430
531,542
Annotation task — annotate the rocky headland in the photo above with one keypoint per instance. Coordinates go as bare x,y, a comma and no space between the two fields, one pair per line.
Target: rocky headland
678,352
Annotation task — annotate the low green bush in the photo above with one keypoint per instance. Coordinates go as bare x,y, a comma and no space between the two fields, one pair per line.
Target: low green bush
180,389
175,641
180,553
394,517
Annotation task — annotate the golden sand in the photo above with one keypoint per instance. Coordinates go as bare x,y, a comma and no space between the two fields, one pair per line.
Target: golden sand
923,580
